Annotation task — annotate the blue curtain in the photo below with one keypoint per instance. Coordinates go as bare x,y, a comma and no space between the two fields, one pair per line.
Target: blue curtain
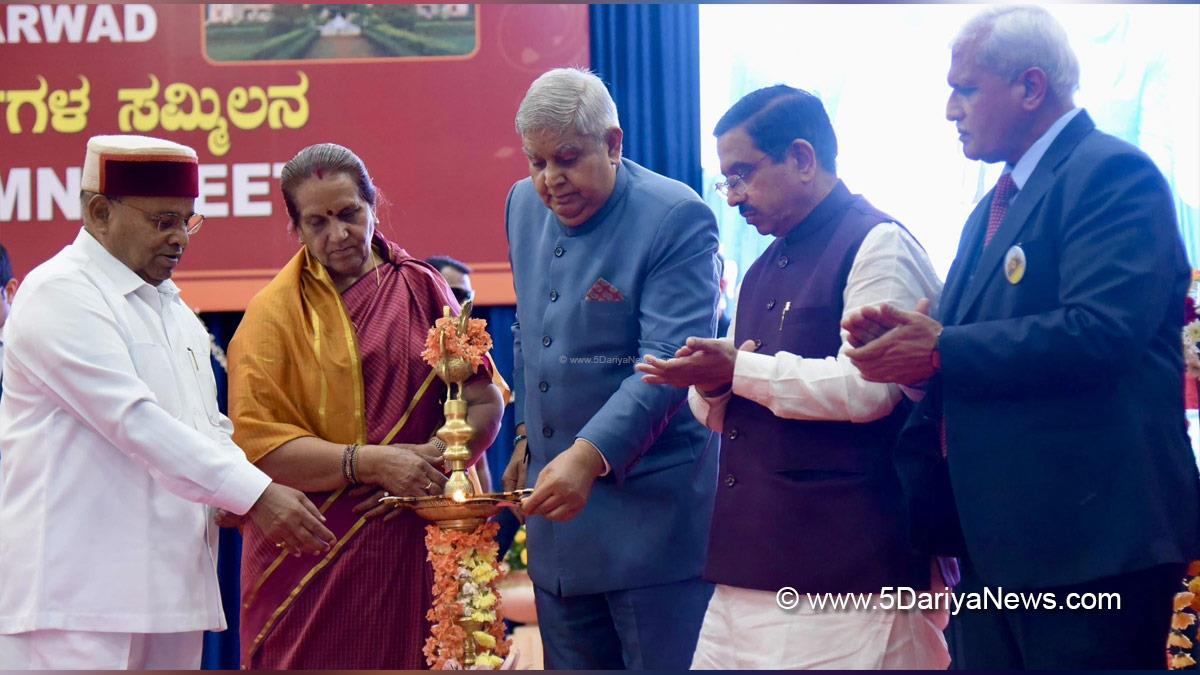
500,320
221,649
649,55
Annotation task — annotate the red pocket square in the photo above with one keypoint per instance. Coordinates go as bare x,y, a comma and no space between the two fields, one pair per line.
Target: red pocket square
602,291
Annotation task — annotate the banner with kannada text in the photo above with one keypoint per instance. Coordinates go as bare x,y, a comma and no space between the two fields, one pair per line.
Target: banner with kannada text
425,94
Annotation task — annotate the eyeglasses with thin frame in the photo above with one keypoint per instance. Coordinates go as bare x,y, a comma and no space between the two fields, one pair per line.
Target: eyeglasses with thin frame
737,182
165,222
462,295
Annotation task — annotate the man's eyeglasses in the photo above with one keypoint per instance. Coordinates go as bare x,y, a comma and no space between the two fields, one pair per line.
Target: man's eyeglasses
462,295
737,182
165,222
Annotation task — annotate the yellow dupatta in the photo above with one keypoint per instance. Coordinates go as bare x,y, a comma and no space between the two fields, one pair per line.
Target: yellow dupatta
294,368
295,371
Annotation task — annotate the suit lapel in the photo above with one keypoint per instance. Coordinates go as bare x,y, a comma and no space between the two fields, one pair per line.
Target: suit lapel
960,270
1019,211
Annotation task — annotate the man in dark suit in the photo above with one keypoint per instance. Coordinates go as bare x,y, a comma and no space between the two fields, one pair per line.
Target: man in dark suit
1050,449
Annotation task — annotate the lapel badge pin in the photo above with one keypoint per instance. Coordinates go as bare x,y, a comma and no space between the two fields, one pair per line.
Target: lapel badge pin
1014,265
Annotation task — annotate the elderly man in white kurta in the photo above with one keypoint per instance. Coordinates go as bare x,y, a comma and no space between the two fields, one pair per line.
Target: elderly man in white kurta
114,448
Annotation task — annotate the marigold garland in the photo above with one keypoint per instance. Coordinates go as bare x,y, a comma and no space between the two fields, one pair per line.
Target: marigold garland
465,577
517,558
1181,642
1182,638
471,347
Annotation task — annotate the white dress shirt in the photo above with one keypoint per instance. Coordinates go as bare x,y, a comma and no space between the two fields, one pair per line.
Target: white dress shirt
890,267
113,445
1023,169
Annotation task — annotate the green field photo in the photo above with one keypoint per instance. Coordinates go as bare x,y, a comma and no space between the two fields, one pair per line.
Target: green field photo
267,32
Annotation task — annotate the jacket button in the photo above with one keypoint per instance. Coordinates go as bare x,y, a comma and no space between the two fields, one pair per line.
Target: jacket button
553,296
733,434
730,480
547,431
546,340
783,261
558,251
770,304
543,387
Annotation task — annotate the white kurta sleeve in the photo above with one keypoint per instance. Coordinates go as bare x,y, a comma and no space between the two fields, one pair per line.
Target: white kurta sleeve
91,375
710,411
890,267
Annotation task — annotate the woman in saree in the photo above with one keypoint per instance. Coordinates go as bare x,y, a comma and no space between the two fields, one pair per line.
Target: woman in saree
329,395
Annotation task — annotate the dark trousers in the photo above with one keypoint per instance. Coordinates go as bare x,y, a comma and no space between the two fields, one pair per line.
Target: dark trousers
650,628
1132,637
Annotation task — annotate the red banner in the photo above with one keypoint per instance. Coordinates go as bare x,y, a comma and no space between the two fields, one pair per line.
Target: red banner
425,94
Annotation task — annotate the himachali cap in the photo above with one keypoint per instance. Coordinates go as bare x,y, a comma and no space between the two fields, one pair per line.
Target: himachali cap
140,166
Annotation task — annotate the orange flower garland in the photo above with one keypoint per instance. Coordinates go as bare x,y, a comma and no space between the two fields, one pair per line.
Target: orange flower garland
1181,641
465,576
471,347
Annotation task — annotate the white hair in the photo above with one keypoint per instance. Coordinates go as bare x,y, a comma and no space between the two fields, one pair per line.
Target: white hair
566,99
1009,39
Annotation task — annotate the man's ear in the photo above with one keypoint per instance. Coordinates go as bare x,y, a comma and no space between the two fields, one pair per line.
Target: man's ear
10,289
612,142
805,157
1036,88
98,213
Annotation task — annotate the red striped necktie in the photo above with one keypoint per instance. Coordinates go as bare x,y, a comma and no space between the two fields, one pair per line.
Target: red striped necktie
1001,196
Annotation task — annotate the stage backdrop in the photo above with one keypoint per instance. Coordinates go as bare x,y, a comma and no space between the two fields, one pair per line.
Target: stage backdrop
425,94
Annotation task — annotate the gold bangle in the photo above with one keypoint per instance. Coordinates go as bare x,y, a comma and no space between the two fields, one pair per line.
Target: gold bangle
350,463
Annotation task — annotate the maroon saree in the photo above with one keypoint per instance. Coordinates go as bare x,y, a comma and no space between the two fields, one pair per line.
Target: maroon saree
363,604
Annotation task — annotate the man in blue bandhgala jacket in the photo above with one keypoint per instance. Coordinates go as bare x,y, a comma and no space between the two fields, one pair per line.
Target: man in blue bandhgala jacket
611,262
